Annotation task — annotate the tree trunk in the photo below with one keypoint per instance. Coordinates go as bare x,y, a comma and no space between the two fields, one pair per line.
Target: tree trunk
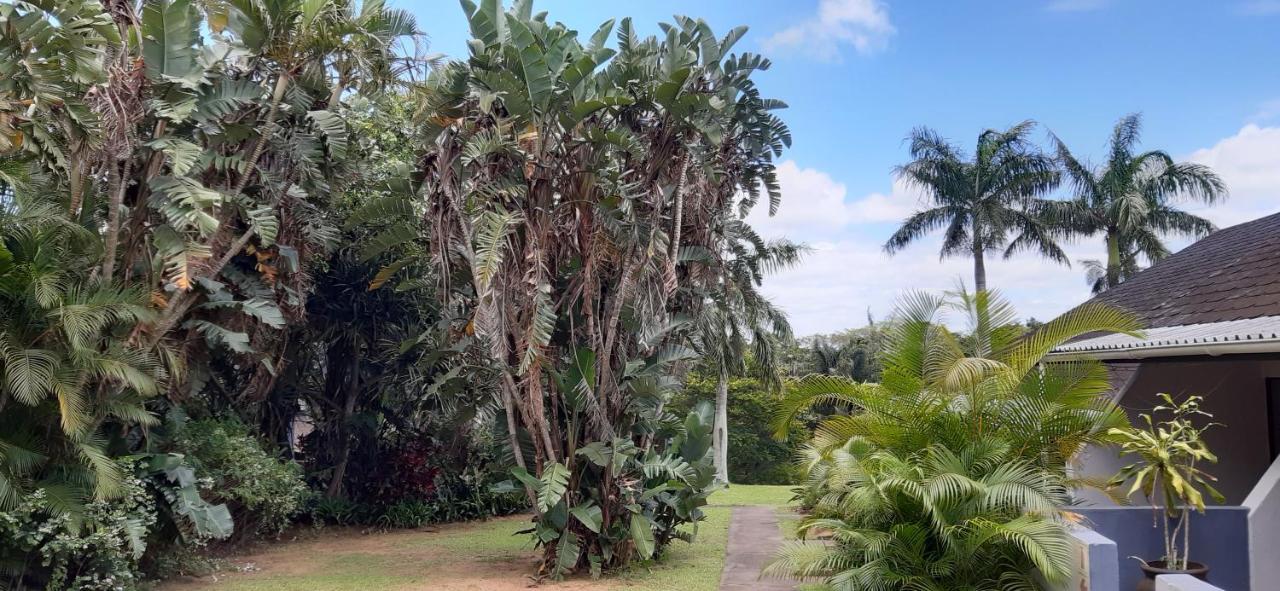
979,269
720,439
115,201
334,490
1113,259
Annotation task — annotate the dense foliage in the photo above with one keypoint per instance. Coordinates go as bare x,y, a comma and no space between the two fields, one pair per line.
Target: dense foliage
581,205
951,472
755,455
292,267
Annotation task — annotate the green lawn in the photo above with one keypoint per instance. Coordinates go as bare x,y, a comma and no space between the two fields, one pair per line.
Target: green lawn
471,556
753,494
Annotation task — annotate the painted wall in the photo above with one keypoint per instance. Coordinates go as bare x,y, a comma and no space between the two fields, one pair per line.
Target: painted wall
1264,527
1219,538
1234,389
1097,564
1182,583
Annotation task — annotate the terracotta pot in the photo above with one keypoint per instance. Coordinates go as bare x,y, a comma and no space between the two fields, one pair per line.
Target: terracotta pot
1157,567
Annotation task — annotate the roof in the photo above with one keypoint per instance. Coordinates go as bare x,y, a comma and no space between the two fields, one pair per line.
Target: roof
1232,274
1220,295
1231,336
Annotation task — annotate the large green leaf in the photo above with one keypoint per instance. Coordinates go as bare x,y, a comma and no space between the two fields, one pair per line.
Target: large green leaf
334,129
555,482
567,551
181,153
169,37
642,535
589,515
533,62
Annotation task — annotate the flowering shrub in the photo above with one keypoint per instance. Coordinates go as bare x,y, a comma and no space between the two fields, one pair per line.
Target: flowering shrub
42,547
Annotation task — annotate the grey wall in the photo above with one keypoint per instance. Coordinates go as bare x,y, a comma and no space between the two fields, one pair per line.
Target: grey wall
1234,389
1264,527
1219,539
1183,583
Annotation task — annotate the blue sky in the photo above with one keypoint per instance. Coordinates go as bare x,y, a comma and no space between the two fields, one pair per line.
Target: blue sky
860,74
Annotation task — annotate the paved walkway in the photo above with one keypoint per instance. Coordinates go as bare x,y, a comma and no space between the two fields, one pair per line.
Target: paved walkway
753,538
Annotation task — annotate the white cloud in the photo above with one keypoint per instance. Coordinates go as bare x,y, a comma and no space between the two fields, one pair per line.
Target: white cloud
848,274
1076,5
863,24
1249,163
840,282
814,206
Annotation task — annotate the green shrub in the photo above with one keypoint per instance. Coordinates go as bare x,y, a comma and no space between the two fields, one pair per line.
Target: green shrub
43,547
755,455
407,515
262,491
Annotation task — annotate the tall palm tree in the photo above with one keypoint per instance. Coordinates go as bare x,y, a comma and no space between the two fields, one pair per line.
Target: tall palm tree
1131,200
988,202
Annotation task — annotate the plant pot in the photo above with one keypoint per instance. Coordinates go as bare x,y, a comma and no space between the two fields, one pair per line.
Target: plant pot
1157,567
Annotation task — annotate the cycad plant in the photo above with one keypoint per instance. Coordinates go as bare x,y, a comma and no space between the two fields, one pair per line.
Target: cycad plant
1132,200
992,397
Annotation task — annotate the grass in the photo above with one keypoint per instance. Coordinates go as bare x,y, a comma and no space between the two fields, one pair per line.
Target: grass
478,555
753,494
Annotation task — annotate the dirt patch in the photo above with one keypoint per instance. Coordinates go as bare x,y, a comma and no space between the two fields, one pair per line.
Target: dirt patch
454,557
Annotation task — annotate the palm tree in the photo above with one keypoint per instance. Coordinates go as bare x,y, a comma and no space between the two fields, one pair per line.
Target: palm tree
66,366
917,482
934,391
1131,200
986,203
977,518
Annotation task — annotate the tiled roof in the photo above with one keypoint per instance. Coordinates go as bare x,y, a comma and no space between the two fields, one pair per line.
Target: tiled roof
1192,337
1233,274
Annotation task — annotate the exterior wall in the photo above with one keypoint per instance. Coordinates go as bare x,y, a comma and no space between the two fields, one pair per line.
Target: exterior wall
1097,565
1264,527
1234,391
1182,583
1219,539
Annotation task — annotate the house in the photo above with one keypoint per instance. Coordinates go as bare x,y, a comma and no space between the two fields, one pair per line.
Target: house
1213,317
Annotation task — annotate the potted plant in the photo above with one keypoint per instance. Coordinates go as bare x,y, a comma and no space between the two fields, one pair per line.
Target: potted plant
1167,473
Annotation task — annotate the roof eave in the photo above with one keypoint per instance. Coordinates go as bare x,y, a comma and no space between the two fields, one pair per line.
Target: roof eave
1173,350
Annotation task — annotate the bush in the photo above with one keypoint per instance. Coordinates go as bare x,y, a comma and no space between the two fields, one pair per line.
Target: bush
262,491
421,493
755,455
43,547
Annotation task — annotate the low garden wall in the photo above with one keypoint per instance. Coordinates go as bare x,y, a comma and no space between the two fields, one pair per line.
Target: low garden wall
1219,538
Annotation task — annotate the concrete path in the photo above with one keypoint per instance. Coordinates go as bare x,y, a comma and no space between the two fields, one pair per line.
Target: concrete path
753,538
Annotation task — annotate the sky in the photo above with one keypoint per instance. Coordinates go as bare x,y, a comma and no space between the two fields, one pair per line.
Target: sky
859,75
